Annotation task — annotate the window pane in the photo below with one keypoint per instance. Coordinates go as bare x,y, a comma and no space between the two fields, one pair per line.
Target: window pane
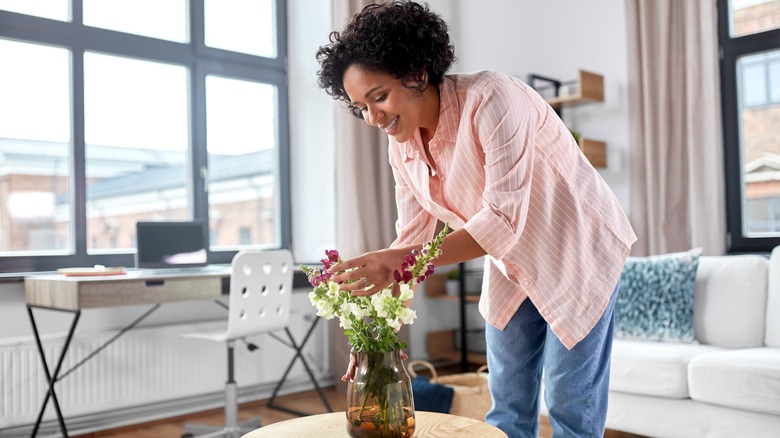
774,81
53,9
137,138
754,16
753,81
163,19
760,138
34,148
245,26
242,151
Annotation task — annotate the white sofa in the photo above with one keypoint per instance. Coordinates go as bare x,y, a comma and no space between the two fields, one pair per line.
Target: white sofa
727,384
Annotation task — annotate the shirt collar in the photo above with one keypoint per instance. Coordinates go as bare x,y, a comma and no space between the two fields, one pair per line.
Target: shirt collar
449,118
449,111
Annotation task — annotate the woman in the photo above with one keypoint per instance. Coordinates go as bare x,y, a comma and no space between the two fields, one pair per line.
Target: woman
486,154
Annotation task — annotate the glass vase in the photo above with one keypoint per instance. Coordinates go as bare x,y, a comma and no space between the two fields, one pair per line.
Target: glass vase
379,398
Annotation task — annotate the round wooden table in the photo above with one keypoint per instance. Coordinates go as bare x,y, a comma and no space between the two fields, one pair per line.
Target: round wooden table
334,425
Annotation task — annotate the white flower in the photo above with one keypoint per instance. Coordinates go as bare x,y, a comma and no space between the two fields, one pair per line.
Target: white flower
379,301
407,293
394,323
333,290
407,315
345,323
325,309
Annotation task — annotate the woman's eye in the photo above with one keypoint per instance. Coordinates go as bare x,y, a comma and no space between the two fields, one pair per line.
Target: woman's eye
382,97
357,111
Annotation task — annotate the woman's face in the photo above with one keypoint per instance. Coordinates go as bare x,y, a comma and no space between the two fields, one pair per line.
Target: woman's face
385,102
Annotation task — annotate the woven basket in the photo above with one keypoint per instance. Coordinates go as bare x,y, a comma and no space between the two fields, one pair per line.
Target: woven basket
471,398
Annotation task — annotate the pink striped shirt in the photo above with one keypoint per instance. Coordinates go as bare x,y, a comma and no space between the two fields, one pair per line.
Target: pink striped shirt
510,173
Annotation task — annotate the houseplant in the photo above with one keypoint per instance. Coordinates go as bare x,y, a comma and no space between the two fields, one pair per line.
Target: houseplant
452,284
379,398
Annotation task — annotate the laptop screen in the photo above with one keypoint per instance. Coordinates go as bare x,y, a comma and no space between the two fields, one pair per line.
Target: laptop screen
170,244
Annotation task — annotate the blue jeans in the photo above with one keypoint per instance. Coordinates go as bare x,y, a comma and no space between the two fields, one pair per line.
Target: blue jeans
576,380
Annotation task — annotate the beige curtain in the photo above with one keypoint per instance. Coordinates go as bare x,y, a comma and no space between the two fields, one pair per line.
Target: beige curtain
677,188
365,195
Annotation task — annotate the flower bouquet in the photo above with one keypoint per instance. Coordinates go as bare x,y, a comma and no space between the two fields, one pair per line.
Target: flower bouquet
379,400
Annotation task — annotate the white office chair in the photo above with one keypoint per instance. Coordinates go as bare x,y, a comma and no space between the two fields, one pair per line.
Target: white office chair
260,299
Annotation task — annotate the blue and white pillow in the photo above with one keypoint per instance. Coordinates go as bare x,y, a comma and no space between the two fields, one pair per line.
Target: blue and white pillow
655,300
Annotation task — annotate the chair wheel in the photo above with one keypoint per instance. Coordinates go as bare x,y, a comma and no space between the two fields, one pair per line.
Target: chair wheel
187,435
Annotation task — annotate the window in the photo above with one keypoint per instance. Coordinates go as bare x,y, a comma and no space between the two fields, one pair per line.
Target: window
749,33
115,112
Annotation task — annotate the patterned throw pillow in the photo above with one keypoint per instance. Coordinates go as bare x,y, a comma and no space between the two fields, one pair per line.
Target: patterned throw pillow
656,297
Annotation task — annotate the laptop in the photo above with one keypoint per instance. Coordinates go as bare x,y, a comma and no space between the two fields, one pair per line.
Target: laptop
171,246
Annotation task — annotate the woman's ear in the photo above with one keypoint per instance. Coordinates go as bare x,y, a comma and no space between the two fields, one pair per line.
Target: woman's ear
421,82
416,81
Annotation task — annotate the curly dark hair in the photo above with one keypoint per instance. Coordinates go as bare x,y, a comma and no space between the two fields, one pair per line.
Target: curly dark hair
402,39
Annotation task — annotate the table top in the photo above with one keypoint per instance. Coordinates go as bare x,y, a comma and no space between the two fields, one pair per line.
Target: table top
132,288
429,425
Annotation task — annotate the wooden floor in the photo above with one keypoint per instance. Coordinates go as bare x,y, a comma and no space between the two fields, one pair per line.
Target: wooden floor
307,401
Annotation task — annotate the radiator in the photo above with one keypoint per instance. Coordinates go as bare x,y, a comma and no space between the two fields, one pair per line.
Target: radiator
145,366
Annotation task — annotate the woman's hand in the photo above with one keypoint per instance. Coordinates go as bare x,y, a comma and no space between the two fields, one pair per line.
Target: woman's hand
369,273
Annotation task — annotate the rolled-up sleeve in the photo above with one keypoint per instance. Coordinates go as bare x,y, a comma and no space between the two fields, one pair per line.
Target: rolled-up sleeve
505,124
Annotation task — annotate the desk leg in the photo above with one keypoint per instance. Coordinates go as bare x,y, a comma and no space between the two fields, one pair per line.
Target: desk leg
298,355
52,378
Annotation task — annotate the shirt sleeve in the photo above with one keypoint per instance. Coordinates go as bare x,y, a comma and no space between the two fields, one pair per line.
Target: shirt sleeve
414,224
505,123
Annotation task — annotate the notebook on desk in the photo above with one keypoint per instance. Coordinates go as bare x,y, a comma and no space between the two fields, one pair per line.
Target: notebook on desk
171,246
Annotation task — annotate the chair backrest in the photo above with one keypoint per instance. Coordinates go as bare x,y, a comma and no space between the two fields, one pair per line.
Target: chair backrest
260,292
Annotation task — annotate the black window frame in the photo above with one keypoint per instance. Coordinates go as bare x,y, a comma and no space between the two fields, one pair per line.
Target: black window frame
731,49
201,61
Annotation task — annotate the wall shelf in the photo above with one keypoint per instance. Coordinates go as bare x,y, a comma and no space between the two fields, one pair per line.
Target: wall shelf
453,345
441,346
595,151
588,88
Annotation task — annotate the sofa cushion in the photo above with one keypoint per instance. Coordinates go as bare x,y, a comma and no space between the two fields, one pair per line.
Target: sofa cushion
772,338
656,297
729,308
744,379
653,368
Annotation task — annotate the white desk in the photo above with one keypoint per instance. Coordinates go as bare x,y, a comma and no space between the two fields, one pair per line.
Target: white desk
72,294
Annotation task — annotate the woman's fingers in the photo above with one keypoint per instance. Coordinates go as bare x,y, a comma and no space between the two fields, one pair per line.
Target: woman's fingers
350,374
347,265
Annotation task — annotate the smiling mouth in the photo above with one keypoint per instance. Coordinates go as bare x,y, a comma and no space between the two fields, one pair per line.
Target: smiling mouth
389,127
